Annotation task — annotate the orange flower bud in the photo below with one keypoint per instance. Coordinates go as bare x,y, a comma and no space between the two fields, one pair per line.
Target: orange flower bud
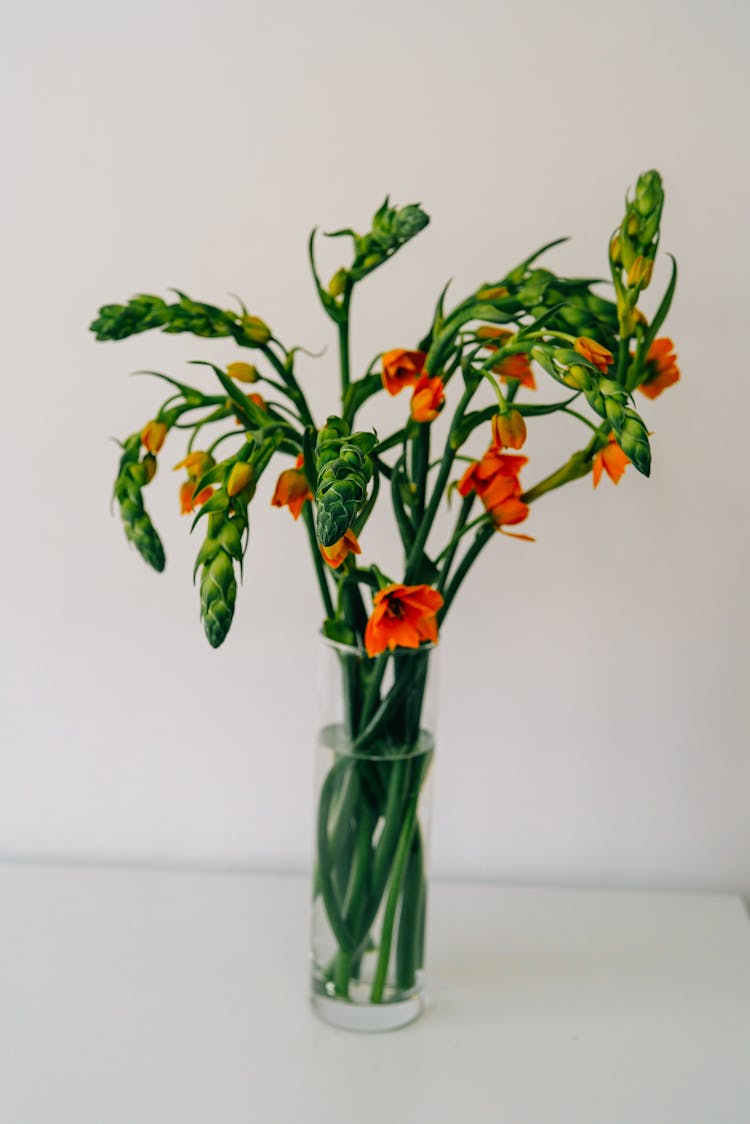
427,399
240,475
640,272
597,355
255,329
337,284
292,489
149,465
508,430
492,293
243,372
153,434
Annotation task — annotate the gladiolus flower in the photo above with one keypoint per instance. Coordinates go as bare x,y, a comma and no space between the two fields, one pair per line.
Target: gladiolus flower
611,460
427,399
508,430
661,367
597,355
336,554
152,435
401,368
240,475
402,617
243,372
190,499
292,489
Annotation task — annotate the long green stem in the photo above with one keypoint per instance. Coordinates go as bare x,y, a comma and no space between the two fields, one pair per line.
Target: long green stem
394,892
415,554
318,562
458,532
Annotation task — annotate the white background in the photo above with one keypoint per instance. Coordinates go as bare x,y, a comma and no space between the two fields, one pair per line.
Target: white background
594,685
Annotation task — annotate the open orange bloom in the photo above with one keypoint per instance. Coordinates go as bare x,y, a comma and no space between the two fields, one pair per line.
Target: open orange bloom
495,479
292,489
427,399
661,367
152,435
516,367
611,460
190,499
594,352
402,617
336,554
401,368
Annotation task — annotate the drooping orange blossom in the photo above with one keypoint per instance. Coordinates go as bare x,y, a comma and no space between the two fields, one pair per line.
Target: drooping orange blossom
292,489
401,368
427,398
661,367
340,551
611,460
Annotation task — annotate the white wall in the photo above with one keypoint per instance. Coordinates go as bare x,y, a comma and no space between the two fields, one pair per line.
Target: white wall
595,700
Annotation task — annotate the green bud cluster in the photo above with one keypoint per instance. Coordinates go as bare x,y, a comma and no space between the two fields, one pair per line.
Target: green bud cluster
133,475
118,321
344,470
224,544
535,292
222,547
392,228
638,235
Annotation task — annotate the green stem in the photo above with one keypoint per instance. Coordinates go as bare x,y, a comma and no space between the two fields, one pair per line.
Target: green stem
325,592
415,554
325,873
394,892
343,326
458,532
482,538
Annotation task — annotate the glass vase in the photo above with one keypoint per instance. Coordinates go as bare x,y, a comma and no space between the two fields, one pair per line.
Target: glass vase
373,765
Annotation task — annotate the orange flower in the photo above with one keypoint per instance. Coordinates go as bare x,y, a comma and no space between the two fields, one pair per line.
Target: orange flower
335,555
152,435
508,430
594,352
292,489
515,367
401,368
661,367
611,460
495,479
258,400
195,464
427,399
402,617
190,499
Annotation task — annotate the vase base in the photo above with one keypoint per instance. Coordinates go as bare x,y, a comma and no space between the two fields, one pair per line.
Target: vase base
367,1017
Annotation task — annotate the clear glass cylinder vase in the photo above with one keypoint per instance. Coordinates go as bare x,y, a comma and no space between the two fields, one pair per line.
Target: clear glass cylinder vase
373,768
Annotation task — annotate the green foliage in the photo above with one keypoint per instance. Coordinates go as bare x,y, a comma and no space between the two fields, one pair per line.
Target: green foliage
133,475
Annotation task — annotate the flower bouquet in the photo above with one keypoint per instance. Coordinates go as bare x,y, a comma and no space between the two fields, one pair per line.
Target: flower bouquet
476,369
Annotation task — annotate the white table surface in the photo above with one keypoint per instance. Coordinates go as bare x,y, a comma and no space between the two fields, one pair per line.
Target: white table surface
154,997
